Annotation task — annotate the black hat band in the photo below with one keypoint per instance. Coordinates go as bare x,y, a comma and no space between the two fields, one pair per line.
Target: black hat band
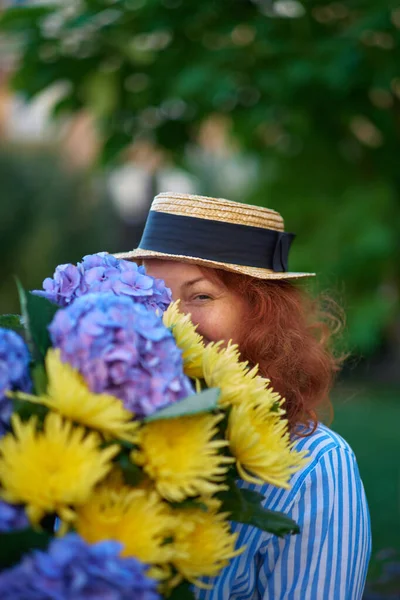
218,241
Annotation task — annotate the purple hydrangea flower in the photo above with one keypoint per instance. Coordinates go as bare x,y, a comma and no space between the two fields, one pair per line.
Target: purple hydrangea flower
72,569
123,349
14,372
12,517
102,272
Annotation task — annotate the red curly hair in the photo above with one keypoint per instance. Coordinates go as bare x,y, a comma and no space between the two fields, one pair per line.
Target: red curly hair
287,333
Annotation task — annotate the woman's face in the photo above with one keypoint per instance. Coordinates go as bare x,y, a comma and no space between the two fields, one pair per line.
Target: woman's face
216,310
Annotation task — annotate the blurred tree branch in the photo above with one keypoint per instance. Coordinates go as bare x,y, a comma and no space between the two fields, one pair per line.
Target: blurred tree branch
158,68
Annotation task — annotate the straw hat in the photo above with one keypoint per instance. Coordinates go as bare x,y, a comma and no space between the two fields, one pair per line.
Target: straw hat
219,233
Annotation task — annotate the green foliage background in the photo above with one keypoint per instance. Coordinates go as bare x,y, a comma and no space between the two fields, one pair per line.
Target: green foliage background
312,100
48,216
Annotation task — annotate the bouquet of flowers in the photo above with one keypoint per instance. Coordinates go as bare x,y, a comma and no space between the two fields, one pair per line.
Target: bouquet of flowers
123,438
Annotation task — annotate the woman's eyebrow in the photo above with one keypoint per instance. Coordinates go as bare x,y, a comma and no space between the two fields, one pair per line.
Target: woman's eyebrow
193,281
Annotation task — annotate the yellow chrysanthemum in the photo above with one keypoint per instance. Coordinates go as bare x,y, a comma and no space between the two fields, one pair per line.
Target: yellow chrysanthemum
237,382
181,456
53,469
135,517
204,544
69,395
260,442
187,339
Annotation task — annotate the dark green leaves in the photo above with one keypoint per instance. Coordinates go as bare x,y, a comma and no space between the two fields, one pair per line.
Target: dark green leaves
132,474
20,18
245,506
26,409
14,545
190,503
197,403
39,378
113,145
37,314
11,322
182,592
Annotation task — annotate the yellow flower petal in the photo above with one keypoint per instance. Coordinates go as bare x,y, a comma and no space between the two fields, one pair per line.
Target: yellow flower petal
68,394
238,383
53,469
135,517
182,456
187,339
204,544
260,442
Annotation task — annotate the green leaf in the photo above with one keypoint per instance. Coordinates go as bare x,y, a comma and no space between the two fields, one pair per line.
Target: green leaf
39,378
245,506
26,409
182,592
25,316
276,407
197,403
37,313
13,545
11,322
189,503
131,472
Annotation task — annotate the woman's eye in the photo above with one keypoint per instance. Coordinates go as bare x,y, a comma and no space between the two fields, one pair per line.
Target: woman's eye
202,297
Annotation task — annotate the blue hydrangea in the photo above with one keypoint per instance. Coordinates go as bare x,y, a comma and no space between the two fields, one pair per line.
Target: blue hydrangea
14,372
71,569
12,517
121,348
102,272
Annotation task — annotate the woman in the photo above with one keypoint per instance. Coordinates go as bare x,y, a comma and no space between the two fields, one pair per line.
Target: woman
227,262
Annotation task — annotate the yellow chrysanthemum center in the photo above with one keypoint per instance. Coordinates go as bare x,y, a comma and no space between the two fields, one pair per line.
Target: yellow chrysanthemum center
260,442
238,383
182,456
69,395
204,544
53,469
135,517
187,339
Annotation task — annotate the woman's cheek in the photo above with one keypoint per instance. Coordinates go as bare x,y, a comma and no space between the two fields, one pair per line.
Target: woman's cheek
199,317
207,326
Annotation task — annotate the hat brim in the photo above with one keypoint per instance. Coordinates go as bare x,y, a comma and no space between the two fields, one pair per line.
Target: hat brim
141,254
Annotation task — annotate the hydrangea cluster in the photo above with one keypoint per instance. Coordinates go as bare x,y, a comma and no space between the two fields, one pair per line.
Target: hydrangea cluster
102,272
71,568
12,517
14,372
123,349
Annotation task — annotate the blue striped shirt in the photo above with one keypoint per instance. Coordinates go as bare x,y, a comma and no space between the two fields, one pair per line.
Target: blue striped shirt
328,560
